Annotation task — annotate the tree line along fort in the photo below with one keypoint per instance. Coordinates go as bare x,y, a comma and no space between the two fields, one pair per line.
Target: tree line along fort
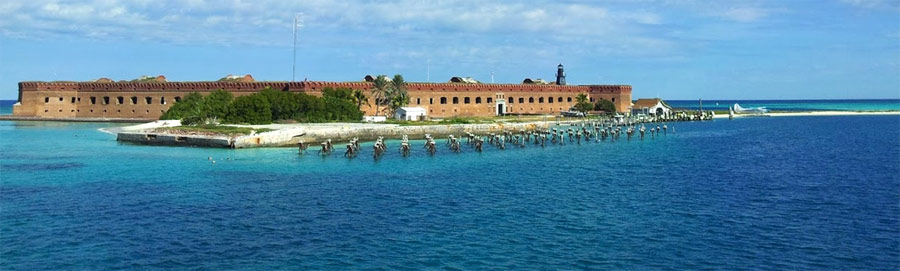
461,97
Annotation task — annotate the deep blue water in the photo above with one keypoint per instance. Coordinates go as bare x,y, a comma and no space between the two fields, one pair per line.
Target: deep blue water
751,193
794,105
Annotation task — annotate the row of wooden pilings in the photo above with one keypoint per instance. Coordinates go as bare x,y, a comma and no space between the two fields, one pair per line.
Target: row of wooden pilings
564,133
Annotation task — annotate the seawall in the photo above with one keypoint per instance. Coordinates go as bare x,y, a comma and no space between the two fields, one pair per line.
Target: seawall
290,135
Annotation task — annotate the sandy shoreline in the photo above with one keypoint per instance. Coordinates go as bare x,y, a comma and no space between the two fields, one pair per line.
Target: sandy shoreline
813,114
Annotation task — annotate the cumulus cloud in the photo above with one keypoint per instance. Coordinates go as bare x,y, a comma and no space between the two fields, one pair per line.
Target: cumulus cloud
459,28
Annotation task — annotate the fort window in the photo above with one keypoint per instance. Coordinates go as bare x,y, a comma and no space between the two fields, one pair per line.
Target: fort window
490,100
79,99
477,100
149,100
93,100
540,100
466,100
559,99
592,99
120,100
443,100
531,100
162,100
430,100
418,100
46,99
177,99
521,101
73,99
569,99
511,100
133,99
550,99
105,100
613,99
455,100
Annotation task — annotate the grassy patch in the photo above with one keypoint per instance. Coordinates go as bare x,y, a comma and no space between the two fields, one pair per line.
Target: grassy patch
211,130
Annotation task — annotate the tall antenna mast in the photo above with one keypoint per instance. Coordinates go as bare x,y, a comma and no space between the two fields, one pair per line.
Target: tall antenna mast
298,22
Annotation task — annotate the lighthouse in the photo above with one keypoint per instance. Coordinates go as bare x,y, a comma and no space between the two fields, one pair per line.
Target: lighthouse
560,75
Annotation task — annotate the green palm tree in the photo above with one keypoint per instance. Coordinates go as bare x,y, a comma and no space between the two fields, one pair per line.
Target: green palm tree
380,91
360,98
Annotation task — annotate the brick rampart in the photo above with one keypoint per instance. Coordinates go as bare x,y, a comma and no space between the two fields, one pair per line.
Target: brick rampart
151,99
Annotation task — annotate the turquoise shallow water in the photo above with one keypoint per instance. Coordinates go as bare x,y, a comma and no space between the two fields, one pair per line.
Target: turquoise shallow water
752,193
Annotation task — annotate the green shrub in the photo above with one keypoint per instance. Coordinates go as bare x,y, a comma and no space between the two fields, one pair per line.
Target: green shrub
250,109
605,105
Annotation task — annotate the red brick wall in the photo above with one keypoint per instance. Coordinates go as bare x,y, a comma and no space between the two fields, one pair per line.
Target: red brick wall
43,98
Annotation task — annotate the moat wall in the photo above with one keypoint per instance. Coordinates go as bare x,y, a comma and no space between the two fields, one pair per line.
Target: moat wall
150,100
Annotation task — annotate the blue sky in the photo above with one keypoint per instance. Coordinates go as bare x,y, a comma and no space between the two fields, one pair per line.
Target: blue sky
674,49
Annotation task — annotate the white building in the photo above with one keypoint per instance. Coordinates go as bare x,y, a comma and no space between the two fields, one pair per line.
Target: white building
410,113
656,107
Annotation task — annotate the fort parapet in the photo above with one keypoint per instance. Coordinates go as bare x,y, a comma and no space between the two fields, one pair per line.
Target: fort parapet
148,100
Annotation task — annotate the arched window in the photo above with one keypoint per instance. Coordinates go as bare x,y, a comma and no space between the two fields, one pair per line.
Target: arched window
569,99
149,100
73,99
490,100
521,100
162,100
477,100
511,100
455,100
550,99
430,100
466,100
443,100
541,100
418,100
559,99
531,100
46,99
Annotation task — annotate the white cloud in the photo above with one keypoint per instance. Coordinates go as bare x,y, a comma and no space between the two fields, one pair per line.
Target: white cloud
744,15
892,4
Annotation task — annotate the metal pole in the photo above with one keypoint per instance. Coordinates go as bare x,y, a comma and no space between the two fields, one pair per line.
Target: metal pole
297,22
294,60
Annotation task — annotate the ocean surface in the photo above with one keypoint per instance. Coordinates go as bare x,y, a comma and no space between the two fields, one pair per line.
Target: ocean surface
793,105
750,193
